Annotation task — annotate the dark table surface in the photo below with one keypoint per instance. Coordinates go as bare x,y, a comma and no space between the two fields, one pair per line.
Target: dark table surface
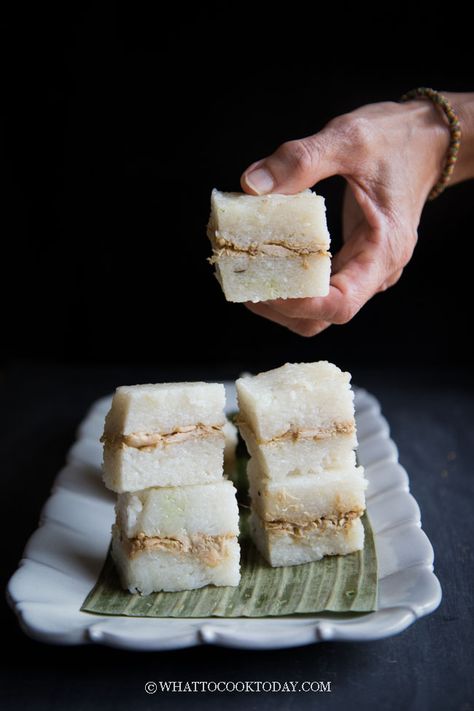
429,666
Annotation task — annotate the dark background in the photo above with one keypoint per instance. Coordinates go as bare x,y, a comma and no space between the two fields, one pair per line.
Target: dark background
116,121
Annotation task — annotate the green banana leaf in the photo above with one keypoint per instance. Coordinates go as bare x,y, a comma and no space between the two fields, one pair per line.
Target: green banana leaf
334,584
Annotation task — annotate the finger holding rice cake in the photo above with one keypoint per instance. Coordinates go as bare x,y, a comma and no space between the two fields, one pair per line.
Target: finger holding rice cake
270,246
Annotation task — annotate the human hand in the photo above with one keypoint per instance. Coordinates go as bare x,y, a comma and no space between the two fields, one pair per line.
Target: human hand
391,156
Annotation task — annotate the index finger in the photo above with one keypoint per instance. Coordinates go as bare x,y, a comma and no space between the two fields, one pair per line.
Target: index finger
315,307
350,288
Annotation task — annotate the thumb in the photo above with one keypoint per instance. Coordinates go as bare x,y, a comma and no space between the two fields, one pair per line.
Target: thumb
295,166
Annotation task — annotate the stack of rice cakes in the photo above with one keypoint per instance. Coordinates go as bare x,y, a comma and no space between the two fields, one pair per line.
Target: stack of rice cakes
176,516
307,492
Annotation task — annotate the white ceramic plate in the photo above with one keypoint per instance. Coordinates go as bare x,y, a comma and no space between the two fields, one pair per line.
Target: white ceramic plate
64,556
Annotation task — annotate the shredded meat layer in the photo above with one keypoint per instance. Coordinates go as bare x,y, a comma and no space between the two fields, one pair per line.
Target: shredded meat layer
318,433
275,248
149,440
301,530
209,549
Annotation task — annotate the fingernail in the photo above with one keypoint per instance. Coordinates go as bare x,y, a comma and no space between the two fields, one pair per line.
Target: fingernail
260,180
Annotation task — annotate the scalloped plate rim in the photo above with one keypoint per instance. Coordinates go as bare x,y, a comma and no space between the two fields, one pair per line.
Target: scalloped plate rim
66,624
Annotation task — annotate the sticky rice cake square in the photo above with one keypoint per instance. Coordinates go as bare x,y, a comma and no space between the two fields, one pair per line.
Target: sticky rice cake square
164,408
169,565
270,246
196,460
181,511
289,544
246,220
167,434
302,499
281,458
310,400
275,275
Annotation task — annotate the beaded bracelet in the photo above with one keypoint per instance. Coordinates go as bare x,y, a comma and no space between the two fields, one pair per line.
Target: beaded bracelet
454,129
